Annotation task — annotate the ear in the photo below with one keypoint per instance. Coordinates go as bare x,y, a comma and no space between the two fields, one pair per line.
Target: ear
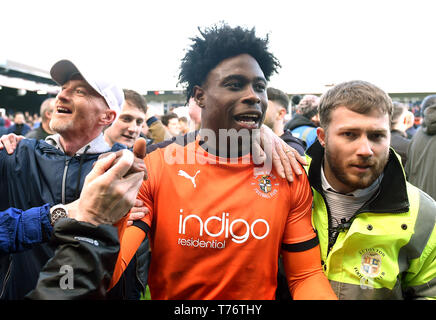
281,114
321,135
199,96
108,117
48,114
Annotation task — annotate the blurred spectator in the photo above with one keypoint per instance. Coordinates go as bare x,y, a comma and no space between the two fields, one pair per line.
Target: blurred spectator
46,111
278,103
128,126
3,129
30,122
20,128
184,127
295,101
37,120
153,130
422,150
306,119
125,130
416,111
401,121
171,124
8,121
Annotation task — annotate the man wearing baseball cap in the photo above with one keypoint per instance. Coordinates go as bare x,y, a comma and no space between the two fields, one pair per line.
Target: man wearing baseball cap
83,108
53,171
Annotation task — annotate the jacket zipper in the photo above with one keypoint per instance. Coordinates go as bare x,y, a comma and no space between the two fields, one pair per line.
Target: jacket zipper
64,178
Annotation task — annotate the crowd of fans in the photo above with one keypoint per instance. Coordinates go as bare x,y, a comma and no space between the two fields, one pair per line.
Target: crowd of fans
22,123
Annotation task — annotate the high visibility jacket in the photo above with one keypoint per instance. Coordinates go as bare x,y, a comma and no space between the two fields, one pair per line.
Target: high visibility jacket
387,250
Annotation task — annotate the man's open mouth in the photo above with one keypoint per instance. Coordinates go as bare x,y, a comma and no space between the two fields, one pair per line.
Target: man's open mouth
61,109
248,120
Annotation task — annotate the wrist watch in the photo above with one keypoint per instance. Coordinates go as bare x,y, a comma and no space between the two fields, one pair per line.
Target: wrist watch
56,212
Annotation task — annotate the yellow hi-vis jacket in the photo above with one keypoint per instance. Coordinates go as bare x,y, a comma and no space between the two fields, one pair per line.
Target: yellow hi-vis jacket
387,250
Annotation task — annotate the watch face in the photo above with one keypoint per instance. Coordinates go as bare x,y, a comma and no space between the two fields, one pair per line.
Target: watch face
59,211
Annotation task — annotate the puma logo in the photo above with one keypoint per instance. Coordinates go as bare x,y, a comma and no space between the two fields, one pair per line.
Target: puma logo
187,176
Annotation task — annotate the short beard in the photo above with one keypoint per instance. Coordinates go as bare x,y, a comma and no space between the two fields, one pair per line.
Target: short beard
57,127
357,183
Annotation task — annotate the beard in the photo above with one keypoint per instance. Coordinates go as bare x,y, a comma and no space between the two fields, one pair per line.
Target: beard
58,125
354,181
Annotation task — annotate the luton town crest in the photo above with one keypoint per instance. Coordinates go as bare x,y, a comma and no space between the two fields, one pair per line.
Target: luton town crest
265,185
371,264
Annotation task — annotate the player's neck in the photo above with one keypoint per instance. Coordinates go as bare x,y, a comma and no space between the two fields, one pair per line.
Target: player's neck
225,146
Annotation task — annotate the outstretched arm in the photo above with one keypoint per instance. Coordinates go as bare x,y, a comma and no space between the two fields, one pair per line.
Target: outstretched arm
306,280
87,246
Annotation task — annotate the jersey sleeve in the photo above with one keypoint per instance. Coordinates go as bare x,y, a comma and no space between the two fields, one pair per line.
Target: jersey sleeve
305,277
131,237
299,234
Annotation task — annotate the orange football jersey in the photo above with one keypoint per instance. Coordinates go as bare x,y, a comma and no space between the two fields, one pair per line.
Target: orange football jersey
216,228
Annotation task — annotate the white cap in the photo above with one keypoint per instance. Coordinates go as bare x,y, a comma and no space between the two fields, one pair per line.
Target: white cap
63,70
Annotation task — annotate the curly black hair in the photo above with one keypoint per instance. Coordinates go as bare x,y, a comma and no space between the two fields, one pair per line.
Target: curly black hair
218,43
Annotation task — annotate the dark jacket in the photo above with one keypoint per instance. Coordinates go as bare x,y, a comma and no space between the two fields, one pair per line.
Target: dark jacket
400,143
68,275
302,128
294,142
37,133
420,166
35,174
19,129
298,120
3,129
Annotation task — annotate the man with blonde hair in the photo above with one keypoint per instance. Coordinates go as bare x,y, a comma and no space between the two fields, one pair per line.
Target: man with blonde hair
53,171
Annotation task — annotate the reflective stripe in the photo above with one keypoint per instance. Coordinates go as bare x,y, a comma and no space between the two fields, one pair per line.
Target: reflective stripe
306,132
347,291
425,290
425,222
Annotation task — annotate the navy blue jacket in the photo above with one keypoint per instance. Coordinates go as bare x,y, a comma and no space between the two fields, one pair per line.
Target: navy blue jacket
36,174
20,230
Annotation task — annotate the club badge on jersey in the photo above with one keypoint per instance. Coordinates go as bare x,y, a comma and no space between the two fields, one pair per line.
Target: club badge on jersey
266,185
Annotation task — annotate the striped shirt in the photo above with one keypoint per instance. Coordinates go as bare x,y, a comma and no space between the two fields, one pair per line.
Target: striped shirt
344,206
